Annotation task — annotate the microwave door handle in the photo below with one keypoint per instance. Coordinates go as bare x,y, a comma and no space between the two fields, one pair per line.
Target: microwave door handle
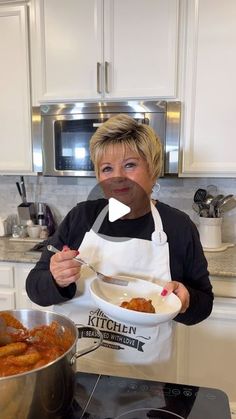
99,89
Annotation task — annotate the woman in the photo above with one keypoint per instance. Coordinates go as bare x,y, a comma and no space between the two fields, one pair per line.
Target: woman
154,242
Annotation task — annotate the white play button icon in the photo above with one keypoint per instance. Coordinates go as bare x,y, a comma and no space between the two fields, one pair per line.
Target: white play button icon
117,209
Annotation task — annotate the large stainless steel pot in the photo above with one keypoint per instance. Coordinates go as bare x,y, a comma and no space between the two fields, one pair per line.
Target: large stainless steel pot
46,392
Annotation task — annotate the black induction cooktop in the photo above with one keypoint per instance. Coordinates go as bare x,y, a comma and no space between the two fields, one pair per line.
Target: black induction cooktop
107,397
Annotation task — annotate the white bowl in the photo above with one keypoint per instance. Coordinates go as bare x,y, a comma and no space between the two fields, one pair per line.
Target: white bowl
108,297
34,231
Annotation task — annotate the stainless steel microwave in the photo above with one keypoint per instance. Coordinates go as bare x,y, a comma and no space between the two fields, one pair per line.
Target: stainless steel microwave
62,132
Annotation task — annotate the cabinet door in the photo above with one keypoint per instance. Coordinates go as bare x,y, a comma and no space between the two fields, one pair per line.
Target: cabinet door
22,301
7,299
140,48
207,350
21,272
7,290
103,49
209,130
15,119
66,49
6,276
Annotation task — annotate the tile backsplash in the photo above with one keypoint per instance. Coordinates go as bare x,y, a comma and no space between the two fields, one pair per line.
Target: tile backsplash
61,194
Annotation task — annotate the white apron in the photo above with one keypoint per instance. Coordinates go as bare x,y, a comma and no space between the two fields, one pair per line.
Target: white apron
131,351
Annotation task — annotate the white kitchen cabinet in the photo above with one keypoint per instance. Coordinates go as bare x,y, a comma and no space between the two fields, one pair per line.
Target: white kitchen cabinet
15,116
106,49
7,287
12,286
21,271
7,299
206,351
207,88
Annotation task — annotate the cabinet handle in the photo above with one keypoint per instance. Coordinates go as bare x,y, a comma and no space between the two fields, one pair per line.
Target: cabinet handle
99,89
107,77
97,124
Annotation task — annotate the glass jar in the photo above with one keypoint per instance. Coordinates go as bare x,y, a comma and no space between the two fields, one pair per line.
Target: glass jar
15,231
44,232
23,231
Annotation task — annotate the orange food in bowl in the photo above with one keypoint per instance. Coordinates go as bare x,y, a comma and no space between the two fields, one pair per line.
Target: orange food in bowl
139,304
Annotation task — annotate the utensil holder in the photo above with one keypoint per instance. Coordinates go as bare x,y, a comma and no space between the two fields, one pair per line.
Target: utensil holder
210,232
26,212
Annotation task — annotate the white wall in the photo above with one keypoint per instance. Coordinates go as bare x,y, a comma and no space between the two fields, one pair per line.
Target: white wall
61,194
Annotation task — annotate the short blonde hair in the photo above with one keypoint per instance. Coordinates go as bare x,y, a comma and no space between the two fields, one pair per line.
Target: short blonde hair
140,138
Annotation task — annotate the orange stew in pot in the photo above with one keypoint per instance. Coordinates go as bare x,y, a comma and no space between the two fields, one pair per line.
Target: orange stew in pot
27,349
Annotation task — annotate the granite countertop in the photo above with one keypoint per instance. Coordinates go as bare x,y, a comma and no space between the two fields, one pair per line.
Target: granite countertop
219,263
17,251
222,263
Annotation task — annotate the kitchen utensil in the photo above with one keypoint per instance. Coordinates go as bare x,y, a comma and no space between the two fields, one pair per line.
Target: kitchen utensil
209,199
203,209
223,198
213,205
195,207
45,392
23,191
109,299
204,213
105,278
19,190
211,189
200,195
211,192
226,204
217,198
211,211
9,334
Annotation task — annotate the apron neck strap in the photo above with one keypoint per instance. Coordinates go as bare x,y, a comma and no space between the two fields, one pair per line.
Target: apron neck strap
159,237
156,217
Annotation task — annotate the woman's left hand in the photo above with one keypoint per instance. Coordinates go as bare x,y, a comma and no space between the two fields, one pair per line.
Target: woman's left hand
181,291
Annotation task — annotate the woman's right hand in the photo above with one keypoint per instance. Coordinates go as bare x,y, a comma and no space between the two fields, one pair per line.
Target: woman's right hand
64,269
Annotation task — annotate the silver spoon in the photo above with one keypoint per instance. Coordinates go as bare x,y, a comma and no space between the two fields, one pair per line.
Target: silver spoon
108,279
225,204
213,205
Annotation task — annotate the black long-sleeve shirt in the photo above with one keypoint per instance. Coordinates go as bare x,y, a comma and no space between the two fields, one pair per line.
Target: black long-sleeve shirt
187,261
